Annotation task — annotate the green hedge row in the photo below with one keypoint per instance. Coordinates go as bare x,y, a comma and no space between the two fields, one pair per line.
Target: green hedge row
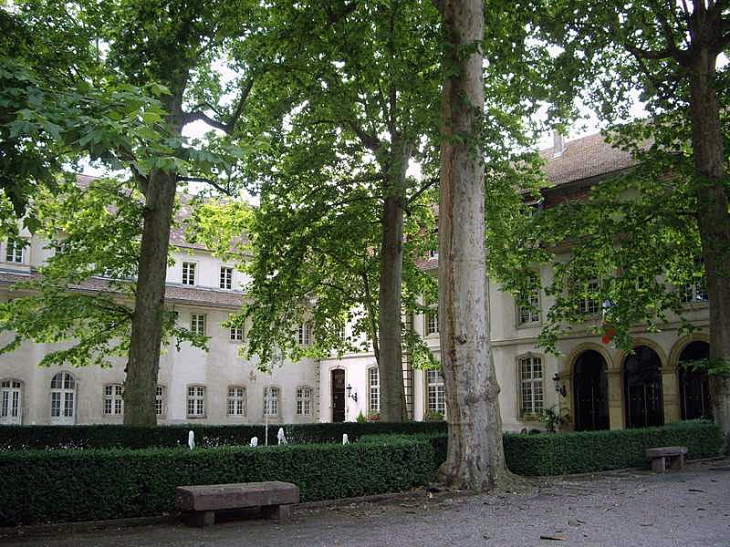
206,436
588,451
74,485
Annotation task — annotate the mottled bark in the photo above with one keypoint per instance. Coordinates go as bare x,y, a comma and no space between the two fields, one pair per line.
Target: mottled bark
149,304
712,217
390,362
475,458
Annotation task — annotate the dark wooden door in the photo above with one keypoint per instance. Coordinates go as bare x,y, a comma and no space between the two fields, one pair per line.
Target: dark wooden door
643,388
590,385
694,385
338,395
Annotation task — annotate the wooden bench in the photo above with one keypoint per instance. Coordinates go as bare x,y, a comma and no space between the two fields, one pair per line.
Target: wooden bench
666,457
199,503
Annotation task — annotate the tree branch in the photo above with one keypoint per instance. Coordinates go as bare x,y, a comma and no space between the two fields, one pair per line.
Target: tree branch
428,184
214,184
371,143
197,115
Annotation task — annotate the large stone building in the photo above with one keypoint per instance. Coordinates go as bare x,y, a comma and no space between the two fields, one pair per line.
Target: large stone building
595,384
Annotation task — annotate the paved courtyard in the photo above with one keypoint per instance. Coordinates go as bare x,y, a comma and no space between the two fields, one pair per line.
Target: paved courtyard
623,508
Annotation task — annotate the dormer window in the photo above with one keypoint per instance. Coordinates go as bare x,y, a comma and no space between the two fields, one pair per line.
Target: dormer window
14,251
226,280
188,273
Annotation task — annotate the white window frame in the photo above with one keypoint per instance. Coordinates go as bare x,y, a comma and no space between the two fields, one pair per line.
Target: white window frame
15,250
304,334
63,398
591,306
160,400
113,400
11,401
189,273
528,306
198,323
226,278
272,400
531,385
236,333
236,401
431,320
373,391
435,392
304,401
196,401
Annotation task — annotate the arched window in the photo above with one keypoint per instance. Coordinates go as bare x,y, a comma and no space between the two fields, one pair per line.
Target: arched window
63,398
590,391
11,401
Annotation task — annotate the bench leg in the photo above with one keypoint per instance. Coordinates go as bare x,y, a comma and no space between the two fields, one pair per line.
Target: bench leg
201,518
659,465
276,512
678,463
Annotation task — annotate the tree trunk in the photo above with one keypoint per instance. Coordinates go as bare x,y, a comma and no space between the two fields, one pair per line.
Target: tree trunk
714,224
149,304
475,458
390,362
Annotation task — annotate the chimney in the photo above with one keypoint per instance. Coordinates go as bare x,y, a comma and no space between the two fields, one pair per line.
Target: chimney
558,143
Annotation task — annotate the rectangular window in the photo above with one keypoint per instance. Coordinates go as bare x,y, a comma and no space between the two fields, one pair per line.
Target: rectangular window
55,404
236,334
113,399
531,385
304,401
304,337
188,273
528,307
10,391
14,251
197,324
196,401
432,322
436,392
373,390
226,278
590,303
236,401
160,400
271,401
696,291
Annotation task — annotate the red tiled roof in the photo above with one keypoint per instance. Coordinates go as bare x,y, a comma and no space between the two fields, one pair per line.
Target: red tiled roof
584,158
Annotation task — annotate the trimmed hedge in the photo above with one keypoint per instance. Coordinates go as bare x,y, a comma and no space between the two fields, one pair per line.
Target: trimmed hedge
588,451
73,485
206,436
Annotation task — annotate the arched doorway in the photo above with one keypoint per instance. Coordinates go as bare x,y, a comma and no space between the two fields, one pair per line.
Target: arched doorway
590,389
694,385
643,388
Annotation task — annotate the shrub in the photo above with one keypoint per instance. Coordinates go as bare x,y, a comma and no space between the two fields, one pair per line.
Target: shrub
587,451
206,436
71,485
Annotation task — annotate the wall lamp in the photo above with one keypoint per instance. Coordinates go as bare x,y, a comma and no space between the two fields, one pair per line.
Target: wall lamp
351,393
560,389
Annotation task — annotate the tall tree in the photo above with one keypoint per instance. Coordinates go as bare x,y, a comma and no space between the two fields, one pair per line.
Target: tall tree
364,87
667,51
172,44
475,458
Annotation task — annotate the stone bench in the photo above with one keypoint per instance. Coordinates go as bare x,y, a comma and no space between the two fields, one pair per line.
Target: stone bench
199,503
663,458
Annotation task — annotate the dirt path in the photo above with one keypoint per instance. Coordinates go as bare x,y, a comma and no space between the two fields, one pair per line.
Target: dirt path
624,508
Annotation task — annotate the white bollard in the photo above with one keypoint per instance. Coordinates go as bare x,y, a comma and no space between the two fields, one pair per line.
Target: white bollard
345,440
280,435
254,442
191,439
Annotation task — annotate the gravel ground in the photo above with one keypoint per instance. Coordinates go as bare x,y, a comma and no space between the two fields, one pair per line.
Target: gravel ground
622,508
